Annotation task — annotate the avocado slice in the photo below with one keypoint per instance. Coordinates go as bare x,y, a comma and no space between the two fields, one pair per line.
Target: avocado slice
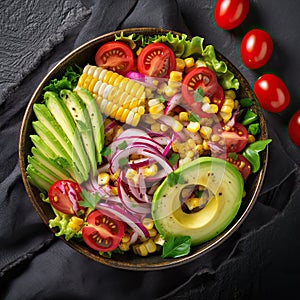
225,186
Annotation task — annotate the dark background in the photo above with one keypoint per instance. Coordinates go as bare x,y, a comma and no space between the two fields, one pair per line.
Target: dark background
260,261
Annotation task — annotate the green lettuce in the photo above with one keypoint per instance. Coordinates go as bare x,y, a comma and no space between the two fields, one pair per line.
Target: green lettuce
184,47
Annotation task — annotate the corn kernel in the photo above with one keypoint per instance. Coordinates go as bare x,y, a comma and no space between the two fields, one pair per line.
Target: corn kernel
153,102
226,109
141,250
205,145
169,92
148,223
103,178
176,76
150,246
210,108
180,64
189,62
215,138
192,203
251,138
183,116
230,94
159,240
156,108
205,132
126,238
136,119
200,149
124,246
177,126
164,127
150,171
132,175
193,126
225,116
114,191
229,102
155,127
206,99
152,232
75,223
175,85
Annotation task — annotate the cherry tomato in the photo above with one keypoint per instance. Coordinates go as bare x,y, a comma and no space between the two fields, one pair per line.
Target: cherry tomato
64,196
232,139
156,60
256,48
272,93
240,162
115,56
206,79
231,13
294,128
103,232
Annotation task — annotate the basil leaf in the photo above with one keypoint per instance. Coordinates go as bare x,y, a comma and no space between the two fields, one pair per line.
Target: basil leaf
249,117
198,95
193,117
88,199
176,246
259,145
254,129
246,102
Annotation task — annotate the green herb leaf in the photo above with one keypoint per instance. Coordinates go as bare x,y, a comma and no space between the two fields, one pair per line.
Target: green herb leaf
198,95
176,246
161,99
246,102
249,117
123,145
252,153
175,178
123,161
254,128
173,159
198,193
89,200
193,117
233,155
106,151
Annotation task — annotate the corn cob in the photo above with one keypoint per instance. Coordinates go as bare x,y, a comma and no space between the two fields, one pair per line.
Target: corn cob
118,97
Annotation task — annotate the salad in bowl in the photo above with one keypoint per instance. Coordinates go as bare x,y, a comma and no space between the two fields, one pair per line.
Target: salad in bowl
143,148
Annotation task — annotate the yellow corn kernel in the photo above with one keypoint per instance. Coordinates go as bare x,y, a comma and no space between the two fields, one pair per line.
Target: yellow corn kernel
152,232
251,138
179,64
177,126
107,76
153,102
215,138
192,203
225,116
183,116
174,85
205,145
158,240
175,146
155,127
176,76
226,109
230,94
148,223
191,143
164,127
169,92
124,246
133,103
150,246
141,250
132,174
124,115
189,62
115,176
205,132
75,223
148,119
200,149
107,110
155,109
206,99
210,108
103,178
193,126
161,88
228,102
139,51
114,191
150,171
119,113
135,120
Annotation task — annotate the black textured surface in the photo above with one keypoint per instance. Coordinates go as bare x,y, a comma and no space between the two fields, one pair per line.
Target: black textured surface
260,261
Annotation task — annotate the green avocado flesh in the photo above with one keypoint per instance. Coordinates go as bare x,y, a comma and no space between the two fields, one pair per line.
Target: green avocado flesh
225,186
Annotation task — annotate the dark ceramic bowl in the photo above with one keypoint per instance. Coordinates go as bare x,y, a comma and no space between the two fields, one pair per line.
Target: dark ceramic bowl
130,261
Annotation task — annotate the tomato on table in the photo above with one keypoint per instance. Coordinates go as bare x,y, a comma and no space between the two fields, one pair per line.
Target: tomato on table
115,56
205,79
103,232
232,139
272,93
64,196
156,60
256,48
294,128
229,14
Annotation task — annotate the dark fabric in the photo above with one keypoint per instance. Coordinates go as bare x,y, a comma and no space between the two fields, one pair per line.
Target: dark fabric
260,261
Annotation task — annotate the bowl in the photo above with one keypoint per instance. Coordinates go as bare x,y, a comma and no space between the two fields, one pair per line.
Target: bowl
130,261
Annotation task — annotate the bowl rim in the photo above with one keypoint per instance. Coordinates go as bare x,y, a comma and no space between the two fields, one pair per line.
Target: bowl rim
143,265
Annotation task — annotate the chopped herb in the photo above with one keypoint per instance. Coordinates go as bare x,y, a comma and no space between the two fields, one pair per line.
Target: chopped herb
198,95
249,117
176,246
174,178
254,129
123,161
173,159
123,145
89,200
106,151
233,155
193,117
198,193
161,99
246,102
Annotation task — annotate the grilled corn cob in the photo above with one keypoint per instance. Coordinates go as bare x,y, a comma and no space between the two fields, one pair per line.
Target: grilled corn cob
118,97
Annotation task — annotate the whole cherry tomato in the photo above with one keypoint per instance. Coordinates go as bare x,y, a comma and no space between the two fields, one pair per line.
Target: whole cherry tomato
294,128
231,13
272,93
256,48
156,60
115,56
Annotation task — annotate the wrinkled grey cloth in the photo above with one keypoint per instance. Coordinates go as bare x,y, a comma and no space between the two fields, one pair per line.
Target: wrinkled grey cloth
259,261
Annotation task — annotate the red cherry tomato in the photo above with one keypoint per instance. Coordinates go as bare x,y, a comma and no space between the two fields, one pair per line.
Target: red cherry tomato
240,162
231,13
232,139
294,128
64,196
103,232
156,60
272,93
206,79
256,48
115,56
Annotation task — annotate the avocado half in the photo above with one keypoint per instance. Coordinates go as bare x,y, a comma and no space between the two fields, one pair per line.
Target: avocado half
223,181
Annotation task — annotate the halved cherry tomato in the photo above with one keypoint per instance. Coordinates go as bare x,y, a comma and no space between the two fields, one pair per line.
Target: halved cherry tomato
272,93
64,196
256,48
115,56
231,13
240,162
233,139
156,60
103,232
294,128
206,79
